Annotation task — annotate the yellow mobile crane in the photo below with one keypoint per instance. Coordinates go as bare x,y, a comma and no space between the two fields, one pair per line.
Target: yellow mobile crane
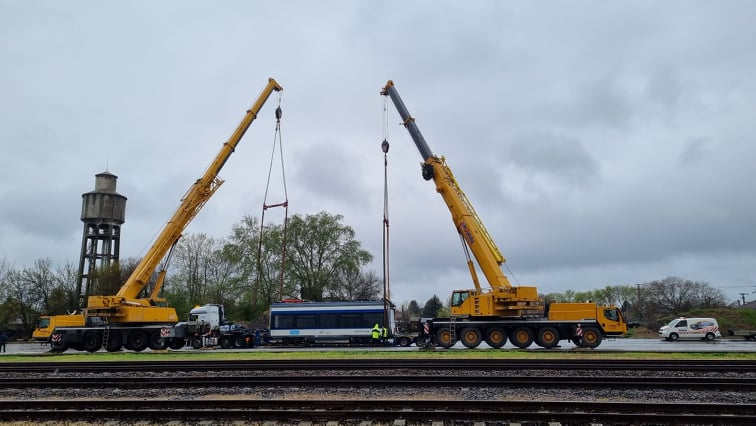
126,319
501,311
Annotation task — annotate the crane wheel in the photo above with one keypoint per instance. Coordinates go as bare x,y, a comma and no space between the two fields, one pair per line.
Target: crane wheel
444,338
470,337
548,337
522,337
496,337
58,346
156,341
114,342
591,337
92,342
137,341
177,344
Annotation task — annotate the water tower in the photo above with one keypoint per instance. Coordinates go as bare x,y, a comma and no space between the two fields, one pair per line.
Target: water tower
103,211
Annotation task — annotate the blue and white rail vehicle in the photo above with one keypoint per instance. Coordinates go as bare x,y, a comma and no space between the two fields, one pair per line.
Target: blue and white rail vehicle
299,322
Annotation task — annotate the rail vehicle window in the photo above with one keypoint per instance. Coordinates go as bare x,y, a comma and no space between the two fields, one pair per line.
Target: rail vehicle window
328,321
372,318
350,321
306,321
283,321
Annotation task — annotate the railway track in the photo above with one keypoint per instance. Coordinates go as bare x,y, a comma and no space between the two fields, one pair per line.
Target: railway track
744,366
394,391
389,411
289,380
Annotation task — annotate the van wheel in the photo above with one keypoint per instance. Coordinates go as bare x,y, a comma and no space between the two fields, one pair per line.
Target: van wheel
673,337
710,336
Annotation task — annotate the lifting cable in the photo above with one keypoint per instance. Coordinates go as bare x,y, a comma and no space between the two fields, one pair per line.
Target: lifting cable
277,141
385,149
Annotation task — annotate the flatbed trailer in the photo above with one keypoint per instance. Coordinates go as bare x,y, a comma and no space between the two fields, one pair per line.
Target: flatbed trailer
746,334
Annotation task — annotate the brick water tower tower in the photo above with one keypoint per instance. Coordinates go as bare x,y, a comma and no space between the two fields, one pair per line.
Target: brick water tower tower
103,211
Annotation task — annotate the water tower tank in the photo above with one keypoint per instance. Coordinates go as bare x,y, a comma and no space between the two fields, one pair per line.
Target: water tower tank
103,211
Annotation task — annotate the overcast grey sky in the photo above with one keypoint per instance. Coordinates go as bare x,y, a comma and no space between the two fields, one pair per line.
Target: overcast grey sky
602,143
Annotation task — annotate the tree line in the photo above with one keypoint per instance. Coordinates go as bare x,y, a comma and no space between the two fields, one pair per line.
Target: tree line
314,257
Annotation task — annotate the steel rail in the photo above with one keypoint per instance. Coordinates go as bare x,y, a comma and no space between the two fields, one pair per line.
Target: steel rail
355,410
383,364
218,381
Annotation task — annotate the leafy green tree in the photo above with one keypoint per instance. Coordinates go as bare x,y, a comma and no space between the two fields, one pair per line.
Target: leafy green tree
432,307
324,255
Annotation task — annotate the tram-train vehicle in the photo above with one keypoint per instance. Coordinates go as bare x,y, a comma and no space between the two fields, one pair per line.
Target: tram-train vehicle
297,323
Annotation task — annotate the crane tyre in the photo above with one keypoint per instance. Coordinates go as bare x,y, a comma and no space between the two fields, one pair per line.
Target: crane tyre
239,342
225,342
114,342
548,337
404,341
138,341
444,338
176,344
92,342
496,337
57,344
156,341
522,337
197,343
591,337
470,337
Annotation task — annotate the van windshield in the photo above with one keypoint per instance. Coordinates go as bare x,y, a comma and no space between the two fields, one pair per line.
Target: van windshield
672,323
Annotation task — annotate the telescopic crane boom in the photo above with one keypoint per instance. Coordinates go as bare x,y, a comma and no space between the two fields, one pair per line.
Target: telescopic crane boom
502,299
126,306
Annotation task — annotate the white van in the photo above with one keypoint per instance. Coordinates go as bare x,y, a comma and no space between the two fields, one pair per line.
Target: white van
690,328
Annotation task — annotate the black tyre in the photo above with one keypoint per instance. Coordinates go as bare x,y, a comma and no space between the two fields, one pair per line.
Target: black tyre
673,337
522,337
404,341
114,342
444,338
92,342
710,336
470,337
547,337
138,341
225,342
57,344
591,337
156,341
496,337
239,342
177,344
197,343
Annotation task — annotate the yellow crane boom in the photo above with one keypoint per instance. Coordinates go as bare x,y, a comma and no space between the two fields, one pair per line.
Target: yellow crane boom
502,298
191,203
